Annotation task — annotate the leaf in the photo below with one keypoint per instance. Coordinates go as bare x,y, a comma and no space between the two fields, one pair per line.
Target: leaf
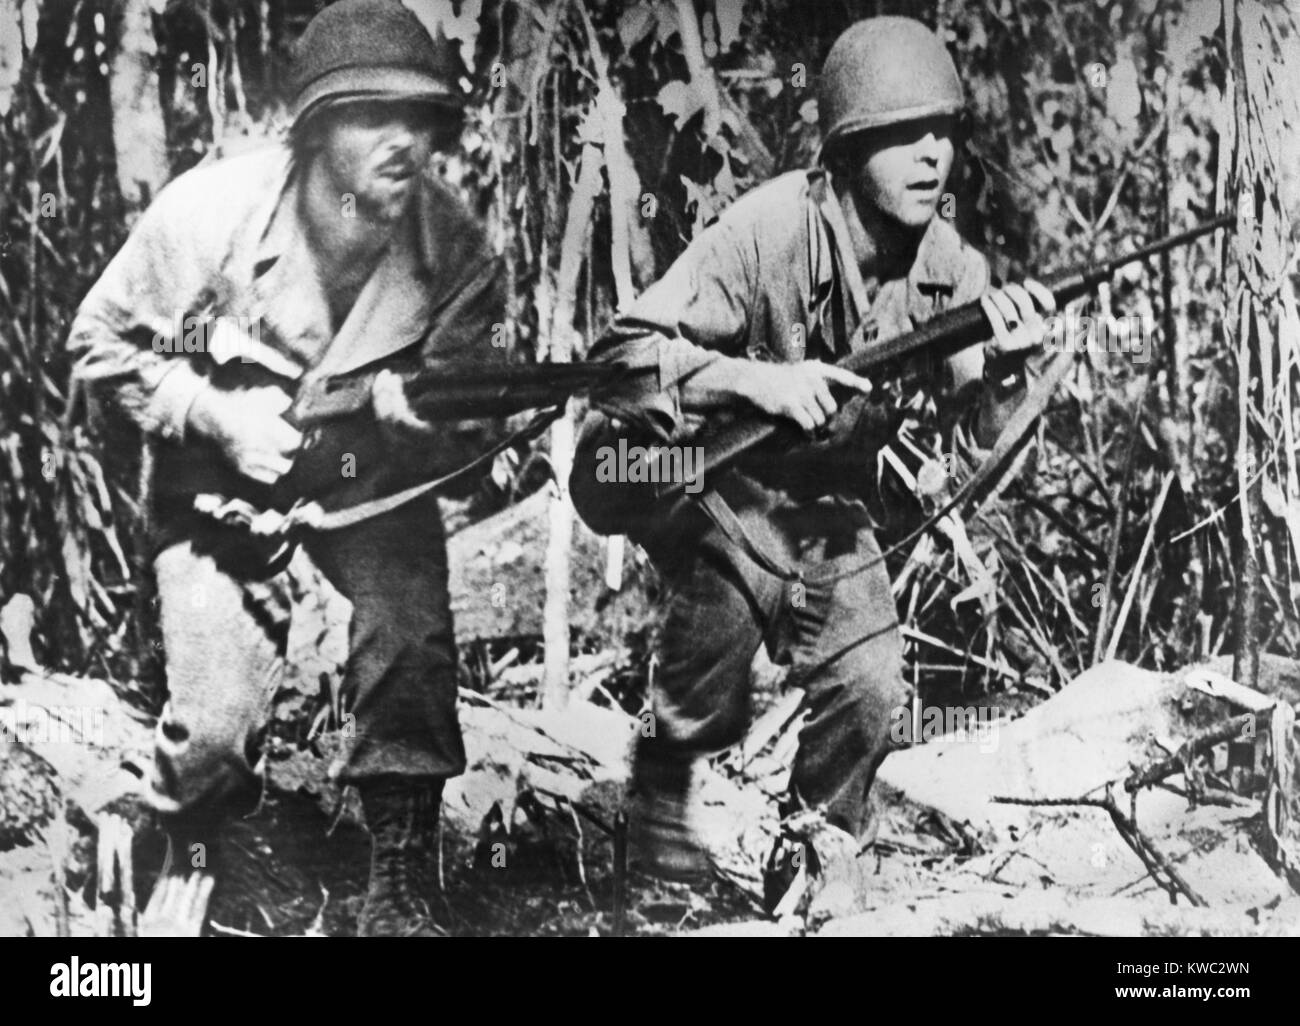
728,14
78,573
1124,93
666,16
1273,498
680,99
635,24
981,589
705,212
931,479
724,182
460,28
51,138
17,621
719,143
31,16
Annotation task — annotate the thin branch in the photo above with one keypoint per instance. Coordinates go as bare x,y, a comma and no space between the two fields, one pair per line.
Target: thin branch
1152,858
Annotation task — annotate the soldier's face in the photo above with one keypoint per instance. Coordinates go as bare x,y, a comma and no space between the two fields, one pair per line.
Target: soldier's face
902,170
374,150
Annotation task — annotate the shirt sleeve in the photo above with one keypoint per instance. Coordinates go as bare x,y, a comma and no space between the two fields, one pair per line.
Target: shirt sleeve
470,333
120,333
697,312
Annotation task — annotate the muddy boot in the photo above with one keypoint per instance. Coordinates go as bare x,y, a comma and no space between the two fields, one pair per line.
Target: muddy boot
402,816
662,840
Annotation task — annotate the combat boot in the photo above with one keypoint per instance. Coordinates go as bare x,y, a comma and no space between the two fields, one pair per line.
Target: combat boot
663,839
402,816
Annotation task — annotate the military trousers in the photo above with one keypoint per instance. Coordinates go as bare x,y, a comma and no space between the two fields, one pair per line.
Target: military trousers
224,637
837,630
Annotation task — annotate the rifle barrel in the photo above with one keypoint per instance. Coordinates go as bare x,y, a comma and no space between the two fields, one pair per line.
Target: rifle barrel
1172,242
505,379
451,393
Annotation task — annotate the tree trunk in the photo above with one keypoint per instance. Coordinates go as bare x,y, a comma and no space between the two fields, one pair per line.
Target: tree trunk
139,132
555,624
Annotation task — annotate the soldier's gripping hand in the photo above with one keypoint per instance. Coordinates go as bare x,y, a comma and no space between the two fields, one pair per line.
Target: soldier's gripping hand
800,391
393,410
250,428
1017,314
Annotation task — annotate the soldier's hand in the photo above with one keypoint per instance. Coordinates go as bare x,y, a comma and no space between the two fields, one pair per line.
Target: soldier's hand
799,391
393,410
1017,314
250,428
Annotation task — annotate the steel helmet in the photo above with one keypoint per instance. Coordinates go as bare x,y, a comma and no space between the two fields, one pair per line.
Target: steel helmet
883,71
373,48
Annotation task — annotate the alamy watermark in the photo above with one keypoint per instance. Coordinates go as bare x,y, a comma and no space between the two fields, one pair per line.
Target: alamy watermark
971,724
1129,335
223,338
651,464
75,978
56,724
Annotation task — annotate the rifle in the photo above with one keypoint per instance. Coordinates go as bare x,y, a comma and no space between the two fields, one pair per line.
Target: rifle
336,414
457,393
611,510
340,406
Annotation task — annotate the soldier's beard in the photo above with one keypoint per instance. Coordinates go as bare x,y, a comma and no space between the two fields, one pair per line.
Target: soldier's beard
385,204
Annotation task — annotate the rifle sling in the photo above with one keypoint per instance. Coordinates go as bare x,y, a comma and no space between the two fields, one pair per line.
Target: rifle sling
851,274
311,516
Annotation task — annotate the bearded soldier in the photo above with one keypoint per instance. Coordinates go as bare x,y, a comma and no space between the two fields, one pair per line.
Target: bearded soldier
752,316
333,252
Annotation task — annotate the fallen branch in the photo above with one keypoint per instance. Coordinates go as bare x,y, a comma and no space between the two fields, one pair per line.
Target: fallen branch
1181,760
1143,847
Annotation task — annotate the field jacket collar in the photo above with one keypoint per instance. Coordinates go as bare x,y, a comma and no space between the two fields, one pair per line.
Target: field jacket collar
392,310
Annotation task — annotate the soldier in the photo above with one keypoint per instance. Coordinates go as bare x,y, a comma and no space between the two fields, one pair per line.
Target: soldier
749,317
332,252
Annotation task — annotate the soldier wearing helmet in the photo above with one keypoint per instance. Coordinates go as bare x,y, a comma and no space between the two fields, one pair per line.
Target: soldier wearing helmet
331,252
784,554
